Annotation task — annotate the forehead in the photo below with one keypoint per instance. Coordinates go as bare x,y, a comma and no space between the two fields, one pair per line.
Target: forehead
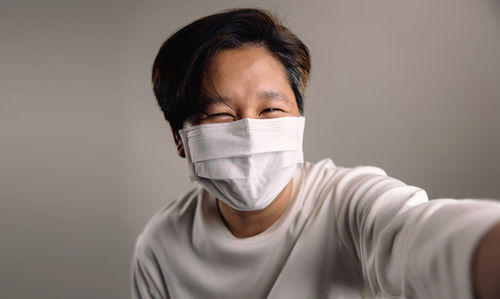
245,57
245,71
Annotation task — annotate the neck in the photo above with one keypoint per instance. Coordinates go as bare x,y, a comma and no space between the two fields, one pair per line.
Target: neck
244,224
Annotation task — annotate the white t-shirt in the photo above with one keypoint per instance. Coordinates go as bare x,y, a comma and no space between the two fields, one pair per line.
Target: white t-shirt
346,233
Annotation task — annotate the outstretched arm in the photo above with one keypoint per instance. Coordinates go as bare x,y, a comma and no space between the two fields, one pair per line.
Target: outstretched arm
486,267
414,248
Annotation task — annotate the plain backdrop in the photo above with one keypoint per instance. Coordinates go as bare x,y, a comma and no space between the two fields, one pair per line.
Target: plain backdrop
87,158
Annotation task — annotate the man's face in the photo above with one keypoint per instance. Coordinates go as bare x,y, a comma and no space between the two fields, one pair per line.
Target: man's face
251,83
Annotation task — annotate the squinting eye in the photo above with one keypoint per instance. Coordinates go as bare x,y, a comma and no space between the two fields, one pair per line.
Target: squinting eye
218,117
271,110
219,114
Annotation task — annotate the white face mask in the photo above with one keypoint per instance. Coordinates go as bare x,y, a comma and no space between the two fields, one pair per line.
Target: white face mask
245,163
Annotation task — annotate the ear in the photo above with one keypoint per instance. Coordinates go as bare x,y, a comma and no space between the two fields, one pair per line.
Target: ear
178,143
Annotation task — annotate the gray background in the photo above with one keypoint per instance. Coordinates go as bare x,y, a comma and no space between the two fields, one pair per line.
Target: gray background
86,157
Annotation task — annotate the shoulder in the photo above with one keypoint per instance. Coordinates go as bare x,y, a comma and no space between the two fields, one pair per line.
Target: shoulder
325,174
356,187
168,222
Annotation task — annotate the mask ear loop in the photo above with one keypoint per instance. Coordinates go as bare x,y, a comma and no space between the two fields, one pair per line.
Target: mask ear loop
178,143
185,146
180,146
300,131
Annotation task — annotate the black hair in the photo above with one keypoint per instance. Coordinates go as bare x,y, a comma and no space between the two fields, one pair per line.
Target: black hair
183,61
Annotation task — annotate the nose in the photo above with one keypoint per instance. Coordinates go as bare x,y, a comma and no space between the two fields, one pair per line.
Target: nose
247,113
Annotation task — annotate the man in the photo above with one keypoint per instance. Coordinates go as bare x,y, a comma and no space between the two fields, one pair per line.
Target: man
264,224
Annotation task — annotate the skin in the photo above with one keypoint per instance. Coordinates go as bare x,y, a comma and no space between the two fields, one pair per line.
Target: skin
252,84
486,266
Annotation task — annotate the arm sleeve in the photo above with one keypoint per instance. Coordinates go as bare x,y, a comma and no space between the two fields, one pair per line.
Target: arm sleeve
408,246
147,281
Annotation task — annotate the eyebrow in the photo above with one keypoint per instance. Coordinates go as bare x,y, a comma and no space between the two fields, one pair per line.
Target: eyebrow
271,94
265,94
